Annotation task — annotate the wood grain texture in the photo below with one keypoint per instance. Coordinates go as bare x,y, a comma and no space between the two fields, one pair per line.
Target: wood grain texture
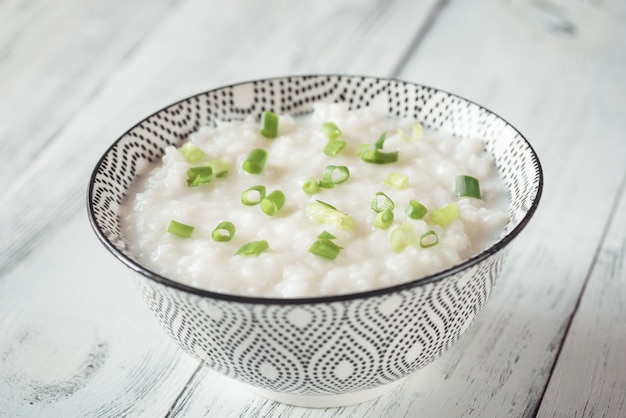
589,378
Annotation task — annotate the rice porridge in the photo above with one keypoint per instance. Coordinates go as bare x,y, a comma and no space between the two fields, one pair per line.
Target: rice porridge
335,202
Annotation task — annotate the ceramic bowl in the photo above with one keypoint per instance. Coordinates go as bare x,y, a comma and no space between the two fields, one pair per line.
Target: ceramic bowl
324,351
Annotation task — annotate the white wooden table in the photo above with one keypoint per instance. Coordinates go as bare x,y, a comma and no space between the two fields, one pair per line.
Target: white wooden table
75,337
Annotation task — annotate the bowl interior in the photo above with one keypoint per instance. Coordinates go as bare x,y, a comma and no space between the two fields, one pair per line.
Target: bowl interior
144,144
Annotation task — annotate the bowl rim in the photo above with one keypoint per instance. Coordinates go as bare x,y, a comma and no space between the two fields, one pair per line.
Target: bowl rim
258,300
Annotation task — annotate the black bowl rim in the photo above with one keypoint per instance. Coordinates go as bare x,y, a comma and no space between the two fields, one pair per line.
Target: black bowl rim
432,278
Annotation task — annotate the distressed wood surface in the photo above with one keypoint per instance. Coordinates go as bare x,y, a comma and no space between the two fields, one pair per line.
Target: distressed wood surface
75,338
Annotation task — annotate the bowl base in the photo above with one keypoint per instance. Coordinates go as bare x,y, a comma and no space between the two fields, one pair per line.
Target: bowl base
325,401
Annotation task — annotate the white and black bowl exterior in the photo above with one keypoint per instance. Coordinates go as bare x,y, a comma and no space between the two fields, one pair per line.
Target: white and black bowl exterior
323,351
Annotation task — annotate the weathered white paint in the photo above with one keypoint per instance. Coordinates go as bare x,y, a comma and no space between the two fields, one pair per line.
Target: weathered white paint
75,338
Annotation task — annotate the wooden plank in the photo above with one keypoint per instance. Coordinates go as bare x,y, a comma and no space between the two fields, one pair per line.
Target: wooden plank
77,339
566,94
54,57
593,352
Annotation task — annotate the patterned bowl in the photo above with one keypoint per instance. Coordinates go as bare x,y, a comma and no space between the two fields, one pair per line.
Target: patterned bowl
324,351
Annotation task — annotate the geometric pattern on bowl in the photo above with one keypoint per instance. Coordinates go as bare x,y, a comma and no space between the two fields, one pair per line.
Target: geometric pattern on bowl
326,345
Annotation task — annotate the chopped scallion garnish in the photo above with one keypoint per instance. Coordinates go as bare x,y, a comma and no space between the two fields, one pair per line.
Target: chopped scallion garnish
197,176
397,181
324,247
375,156
269,120
219,167
445,215
335,174
310,186
334,147
324,213
223,232
429,239
384,219
402,237
253,195
417,131
271,204
253,248
180,229
416,210
255,162
467,186
330,130
381,202
191,152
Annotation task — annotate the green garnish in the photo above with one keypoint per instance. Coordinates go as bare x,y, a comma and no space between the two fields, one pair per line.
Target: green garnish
397,181
334,147
324,247
416,210
180,229
445,215
417,131
373,153
310,186
330,130
219,167
253,248
324,213
198,176
467,186
334,175
255,162
271,204
253,195
429,239
381,202
402,237
191,152
269,120
384,219
223,232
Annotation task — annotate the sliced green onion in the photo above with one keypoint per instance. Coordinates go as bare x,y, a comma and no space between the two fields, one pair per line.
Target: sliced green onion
384,219
330,130
416,210
324,213
373,153
223,232
253,195
191,152
467,186
334,147
326,184
381,141
397,181
326,235
198,176
253,248
417,131
445,215
381,202
310,186
271,204
325,248
219,167
375,156
429,239
402,237
336,174
269,121
180,229
255,162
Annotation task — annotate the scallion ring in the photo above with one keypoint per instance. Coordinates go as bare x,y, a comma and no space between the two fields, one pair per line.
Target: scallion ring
384,219
255,162
191,152
381,202
271,204
253,195
180,229
223,232
445,215
397,181
331,130
429,239
416,210
467,186
269,120
253,248
198,176
335,174
310,186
